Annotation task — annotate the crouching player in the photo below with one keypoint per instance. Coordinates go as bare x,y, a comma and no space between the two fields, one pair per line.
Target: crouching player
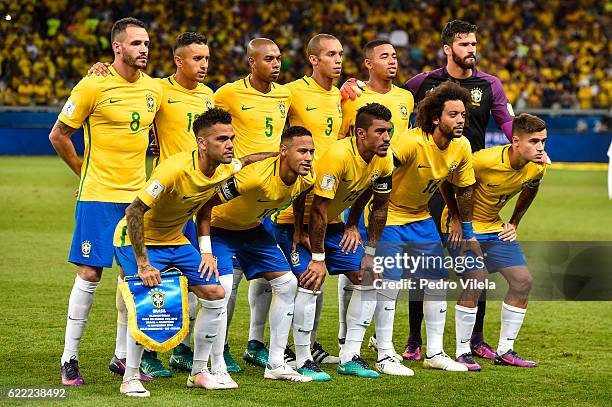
236,230
502,172
150,238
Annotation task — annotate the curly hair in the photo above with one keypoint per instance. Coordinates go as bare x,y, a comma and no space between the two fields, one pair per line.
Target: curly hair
210,118
432,106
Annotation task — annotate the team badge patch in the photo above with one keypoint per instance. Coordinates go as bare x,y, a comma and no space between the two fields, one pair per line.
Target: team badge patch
157,299
86,248
150,103
476,95
295,258
328,182
452,168
155,188
209,104
69,107
339,109
282,109
404,111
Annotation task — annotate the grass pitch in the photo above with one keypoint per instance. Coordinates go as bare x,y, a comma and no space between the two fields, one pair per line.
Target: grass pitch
570,340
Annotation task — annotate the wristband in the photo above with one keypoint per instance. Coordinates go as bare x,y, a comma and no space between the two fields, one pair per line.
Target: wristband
318,257
467,230
370,251
205,244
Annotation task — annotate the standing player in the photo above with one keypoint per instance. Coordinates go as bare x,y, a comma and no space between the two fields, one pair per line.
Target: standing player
116,112
253,195
487,97
349,169
380,59
502,172
434,151
185,97
150,238
315,106
259,109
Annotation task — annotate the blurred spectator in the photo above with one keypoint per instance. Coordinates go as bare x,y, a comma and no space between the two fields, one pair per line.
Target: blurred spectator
547,54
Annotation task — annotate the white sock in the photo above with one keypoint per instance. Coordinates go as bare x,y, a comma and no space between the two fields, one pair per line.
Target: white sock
133,357
434,309
79,306
281,315
260,296
315,326
345,291
121,338
237,276
205,331
193,311
303,323
465,318
511,321
216,354
358,317
384,315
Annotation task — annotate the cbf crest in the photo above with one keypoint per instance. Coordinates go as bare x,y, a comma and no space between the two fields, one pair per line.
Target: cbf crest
404,111
452,168
157,299
150,103
476,95
209,104
86,248
282,109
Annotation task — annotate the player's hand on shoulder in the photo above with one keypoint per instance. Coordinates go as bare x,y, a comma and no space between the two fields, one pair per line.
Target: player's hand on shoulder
208,267
352,89
508,234
351,238
149,275
99,69
313,277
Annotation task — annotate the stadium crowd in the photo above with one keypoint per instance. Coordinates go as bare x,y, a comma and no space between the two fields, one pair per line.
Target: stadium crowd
547,54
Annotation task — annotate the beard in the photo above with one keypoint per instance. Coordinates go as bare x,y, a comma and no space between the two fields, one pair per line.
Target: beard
448,131
462,63
131,61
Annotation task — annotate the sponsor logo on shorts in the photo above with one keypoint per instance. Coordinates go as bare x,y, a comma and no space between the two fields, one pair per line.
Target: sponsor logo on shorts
86,248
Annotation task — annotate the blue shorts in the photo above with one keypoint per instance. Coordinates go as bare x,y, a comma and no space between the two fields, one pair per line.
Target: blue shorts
363,230
184,257
336,261
497,253
412,250
191,233
255,249
92,241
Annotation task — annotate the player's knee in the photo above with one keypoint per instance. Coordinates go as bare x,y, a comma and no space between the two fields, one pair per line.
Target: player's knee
524,283
210,292
91,274
284,284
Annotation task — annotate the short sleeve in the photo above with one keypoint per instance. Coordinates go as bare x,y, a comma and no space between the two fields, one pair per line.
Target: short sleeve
159,184
463,175
80,104
329,174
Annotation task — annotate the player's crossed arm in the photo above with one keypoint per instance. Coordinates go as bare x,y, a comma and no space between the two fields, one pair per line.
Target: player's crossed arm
134,215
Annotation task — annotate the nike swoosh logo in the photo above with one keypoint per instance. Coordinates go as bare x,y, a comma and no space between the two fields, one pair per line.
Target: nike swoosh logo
301,330
170,101
464,341
346,180
289,314
342,368
492,185
111,100
247,108
442,311
250,355
262,200
389,309
423,166
308,108
188,196
210,336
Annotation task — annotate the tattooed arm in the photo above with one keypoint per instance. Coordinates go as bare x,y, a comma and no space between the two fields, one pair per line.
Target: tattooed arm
60,139
313,277
253,158
380,206
465,202
134,215
300,236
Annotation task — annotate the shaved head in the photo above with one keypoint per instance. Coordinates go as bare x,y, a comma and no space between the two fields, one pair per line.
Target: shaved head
314,45
258,44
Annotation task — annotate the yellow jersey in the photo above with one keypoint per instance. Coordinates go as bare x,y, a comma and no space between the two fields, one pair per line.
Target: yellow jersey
421,167
496,183
318,110
176,190
116,116
258,118
179,108
255,193
399,101
343,175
